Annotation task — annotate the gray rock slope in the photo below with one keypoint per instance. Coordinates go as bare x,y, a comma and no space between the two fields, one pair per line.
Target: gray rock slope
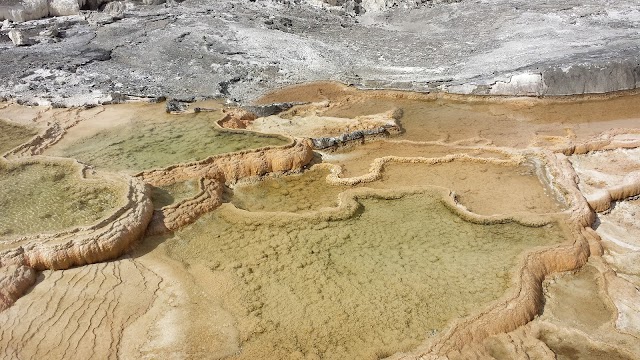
241,49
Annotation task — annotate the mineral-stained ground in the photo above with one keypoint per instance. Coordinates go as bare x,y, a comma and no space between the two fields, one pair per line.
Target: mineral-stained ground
162,195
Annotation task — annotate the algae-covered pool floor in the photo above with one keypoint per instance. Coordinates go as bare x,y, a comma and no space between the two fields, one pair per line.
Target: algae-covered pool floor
13,134
365,286
294,193
376,247
50,196
173,193
136,137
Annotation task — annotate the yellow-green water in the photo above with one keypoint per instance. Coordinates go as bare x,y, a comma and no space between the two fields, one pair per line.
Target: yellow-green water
174,193
42,197
362,287
12,135
520,123
147,143
294,193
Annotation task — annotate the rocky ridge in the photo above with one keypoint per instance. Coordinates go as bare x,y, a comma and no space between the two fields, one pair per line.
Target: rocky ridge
216,172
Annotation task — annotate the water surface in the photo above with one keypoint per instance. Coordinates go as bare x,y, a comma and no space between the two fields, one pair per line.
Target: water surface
293,193
49,197
359,288
12,135
145,137
174,193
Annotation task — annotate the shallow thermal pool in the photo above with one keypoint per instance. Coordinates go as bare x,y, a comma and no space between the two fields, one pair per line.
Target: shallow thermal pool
174,193
517,123
50,196
293,193
154,139
360,287
484,188
12,135
288,267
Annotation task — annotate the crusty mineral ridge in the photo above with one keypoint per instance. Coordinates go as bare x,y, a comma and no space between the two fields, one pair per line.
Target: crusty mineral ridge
175,216
216,171
14,281
326,132
377,166
50,136
611,174
55,129
106,240
610,140
630,186
236,118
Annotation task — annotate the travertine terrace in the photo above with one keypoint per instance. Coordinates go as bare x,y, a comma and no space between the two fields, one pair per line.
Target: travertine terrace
319,179
476,229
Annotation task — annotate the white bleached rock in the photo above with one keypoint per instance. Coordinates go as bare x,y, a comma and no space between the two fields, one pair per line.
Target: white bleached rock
18,38
115,9
520,84
50,32
24,10
361,6
64,7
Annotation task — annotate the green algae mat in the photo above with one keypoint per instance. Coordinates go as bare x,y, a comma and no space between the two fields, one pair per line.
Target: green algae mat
50,196
12,135
358,288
